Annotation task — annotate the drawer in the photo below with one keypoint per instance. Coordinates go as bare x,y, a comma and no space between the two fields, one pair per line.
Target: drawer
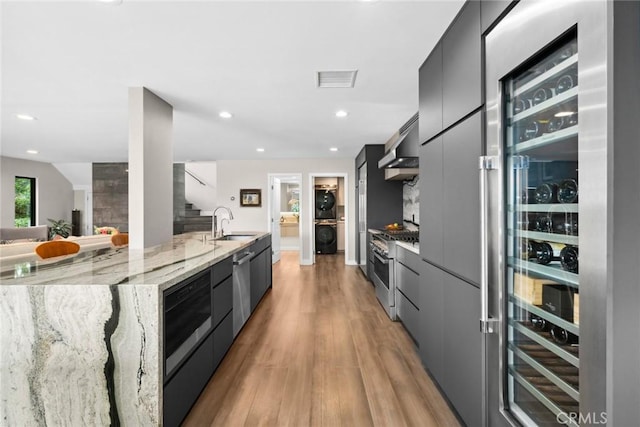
408,282
182,391
222,339
409,315
261,244
408,258
222,270
222,300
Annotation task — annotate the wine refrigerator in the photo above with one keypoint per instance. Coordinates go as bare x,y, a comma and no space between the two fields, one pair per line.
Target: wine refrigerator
541,196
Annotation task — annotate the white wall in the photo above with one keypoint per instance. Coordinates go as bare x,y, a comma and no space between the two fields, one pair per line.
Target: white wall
203,197
236,174
54,193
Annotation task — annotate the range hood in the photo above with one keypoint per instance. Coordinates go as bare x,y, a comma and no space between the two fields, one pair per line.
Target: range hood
401,158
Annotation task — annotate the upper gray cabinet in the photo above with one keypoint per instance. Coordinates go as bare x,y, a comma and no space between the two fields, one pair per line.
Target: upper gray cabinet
460,198
462,65
431,201
450,79
430,95
491,10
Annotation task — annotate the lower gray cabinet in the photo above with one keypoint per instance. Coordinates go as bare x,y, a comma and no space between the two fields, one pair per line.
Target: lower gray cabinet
261,276
462,348
431,315
407,266
222,339
409,314
181,392
451,342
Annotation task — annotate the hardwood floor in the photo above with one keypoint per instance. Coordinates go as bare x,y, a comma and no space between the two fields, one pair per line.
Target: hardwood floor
320,351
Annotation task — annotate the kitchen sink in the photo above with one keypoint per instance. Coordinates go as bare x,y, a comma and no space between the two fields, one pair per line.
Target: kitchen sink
237,237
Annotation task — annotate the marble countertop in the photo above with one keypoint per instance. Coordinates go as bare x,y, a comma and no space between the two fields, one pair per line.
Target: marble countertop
413,247
163,265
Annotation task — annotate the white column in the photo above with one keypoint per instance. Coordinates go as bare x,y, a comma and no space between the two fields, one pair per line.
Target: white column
150,169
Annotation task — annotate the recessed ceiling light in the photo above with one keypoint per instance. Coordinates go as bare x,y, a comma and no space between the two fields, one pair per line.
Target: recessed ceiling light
333,149
25,117
260,150
341,113
225,114
111,1
32,151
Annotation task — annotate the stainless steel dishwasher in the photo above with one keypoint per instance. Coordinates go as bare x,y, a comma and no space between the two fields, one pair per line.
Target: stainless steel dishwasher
241,289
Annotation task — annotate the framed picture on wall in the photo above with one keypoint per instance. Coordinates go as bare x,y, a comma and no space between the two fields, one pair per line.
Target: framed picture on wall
251,197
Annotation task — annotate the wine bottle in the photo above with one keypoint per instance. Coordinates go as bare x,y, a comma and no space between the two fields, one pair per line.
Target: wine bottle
568,191
520,104
541,252
530,131
566,82
541,95
539,323
555,124
562,336
546,193
543,223
569,258
565,223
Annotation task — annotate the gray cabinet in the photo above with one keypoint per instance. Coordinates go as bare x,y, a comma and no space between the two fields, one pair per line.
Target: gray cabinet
462,65
451,342
407,267
431,201
450,79
222,303
449,195
462,348
430,95
461,204
431,315
491,11
222,339
181,392
222,293
260,270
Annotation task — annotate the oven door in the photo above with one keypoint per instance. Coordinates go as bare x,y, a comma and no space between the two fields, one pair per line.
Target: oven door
187,320
382,271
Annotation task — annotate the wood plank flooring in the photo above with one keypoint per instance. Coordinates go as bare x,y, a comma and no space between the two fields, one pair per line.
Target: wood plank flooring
320,351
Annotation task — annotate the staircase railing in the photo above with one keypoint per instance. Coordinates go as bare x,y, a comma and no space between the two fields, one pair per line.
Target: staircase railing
188,172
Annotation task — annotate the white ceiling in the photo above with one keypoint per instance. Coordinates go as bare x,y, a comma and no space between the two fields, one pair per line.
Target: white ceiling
70,64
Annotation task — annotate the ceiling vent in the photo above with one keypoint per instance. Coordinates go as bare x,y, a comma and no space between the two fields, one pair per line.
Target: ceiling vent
336,78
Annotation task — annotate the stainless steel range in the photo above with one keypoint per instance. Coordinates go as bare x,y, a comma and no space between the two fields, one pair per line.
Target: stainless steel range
382,245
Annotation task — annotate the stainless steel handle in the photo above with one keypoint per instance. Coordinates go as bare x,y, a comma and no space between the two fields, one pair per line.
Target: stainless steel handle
487,324
382,260
247,257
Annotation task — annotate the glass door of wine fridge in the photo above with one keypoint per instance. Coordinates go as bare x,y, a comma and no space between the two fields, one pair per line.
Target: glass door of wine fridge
541,201
542,236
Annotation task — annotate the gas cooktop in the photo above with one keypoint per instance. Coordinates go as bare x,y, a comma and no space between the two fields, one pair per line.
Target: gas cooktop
402,235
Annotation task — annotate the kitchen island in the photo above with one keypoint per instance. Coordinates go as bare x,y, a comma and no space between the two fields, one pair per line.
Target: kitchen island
81,336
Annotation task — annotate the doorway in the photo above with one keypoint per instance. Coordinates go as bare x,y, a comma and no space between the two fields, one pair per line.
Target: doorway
329,210
285,192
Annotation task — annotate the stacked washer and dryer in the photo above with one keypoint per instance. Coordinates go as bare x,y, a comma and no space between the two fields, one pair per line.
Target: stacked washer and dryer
326,219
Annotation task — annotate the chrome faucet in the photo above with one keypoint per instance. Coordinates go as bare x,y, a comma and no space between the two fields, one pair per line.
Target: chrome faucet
222,226
215,219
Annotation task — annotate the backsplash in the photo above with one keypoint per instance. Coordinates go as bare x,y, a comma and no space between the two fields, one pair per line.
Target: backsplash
411,201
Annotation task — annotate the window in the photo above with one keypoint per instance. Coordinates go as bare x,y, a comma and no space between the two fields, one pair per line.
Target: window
25,214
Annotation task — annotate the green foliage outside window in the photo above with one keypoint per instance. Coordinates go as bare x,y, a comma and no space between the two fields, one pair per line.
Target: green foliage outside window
23,209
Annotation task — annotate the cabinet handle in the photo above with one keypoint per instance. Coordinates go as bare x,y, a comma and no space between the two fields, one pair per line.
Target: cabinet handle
488,325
